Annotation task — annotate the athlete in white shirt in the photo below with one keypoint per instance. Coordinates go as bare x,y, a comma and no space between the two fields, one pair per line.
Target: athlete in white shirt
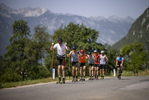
60,56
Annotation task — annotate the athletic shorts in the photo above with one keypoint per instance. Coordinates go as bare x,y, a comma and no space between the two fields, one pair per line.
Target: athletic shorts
82,64
102,66
75,64
118,66
60,60
96,65
90,65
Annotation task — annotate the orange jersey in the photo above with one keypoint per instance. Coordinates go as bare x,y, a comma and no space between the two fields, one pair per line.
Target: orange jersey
97,58
82,59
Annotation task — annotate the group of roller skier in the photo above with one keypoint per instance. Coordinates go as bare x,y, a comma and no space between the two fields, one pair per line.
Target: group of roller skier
79,58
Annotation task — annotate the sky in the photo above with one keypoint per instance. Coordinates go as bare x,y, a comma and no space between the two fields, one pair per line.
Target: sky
86,8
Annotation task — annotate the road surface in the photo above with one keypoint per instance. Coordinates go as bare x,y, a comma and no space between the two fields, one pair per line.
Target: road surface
128,88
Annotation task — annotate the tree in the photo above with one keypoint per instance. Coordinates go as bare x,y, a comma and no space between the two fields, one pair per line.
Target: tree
15,58
136,56
37,49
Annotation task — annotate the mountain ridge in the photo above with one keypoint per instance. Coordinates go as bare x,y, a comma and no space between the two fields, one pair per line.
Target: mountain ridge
110,30
139,32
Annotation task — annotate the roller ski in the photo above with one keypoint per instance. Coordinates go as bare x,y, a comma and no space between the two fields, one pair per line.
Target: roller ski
59,82
91,78
102,77
81,79
75,80
63,82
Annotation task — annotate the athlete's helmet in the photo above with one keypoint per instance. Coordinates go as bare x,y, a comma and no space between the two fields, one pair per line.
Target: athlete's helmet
60,40
82,51
95,50
89,53
74,48
102,51
119,55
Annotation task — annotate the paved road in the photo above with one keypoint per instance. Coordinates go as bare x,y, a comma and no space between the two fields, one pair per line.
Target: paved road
128,88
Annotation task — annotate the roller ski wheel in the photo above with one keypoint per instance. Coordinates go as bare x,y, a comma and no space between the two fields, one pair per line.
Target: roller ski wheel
90,78
102,77
119,77
76,80
80,79
83,79
73,80
58,82
63,82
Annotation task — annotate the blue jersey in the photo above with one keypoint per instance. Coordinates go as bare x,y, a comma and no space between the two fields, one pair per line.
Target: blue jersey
119,60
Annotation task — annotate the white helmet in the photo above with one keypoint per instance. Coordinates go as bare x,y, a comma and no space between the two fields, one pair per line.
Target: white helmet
95,50
102,51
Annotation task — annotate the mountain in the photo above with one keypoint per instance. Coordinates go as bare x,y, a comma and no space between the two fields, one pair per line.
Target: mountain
139,32
111,29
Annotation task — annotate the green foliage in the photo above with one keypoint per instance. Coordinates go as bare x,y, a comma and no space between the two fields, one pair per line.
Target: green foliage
15,58
10,76
78,35
38,72
137,56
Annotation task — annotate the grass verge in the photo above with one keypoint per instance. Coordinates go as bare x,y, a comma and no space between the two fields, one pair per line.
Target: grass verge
46,80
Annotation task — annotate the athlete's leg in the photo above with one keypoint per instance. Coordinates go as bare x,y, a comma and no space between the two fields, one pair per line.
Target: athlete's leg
84,67
73,70
97,71
92,71
76,71
63,71
59,70
103,71
81,72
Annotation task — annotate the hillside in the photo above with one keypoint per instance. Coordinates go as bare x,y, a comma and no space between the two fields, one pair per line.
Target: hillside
139,32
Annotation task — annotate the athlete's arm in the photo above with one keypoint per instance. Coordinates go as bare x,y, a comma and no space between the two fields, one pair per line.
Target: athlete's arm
53,47
69,54
67,48
116,62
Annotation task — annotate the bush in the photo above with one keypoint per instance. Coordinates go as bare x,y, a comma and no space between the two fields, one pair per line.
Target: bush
10,76
39,72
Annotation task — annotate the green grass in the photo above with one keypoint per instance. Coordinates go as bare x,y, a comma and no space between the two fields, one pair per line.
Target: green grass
46,80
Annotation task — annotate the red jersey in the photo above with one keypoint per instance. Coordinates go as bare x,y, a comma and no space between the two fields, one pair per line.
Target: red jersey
97,58
82,59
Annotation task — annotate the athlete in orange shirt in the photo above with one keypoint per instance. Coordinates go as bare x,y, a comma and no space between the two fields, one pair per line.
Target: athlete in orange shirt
82,60
97,59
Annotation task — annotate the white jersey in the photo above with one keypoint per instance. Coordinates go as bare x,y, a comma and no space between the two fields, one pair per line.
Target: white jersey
60,49
102,60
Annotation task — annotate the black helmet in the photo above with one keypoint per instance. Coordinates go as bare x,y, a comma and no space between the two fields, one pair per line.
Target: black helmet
60,40
89,53
119,55
74,48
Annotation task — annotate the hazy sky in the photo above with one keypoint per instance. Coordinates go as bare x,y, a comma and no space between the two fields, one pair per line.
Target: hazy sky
87,8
